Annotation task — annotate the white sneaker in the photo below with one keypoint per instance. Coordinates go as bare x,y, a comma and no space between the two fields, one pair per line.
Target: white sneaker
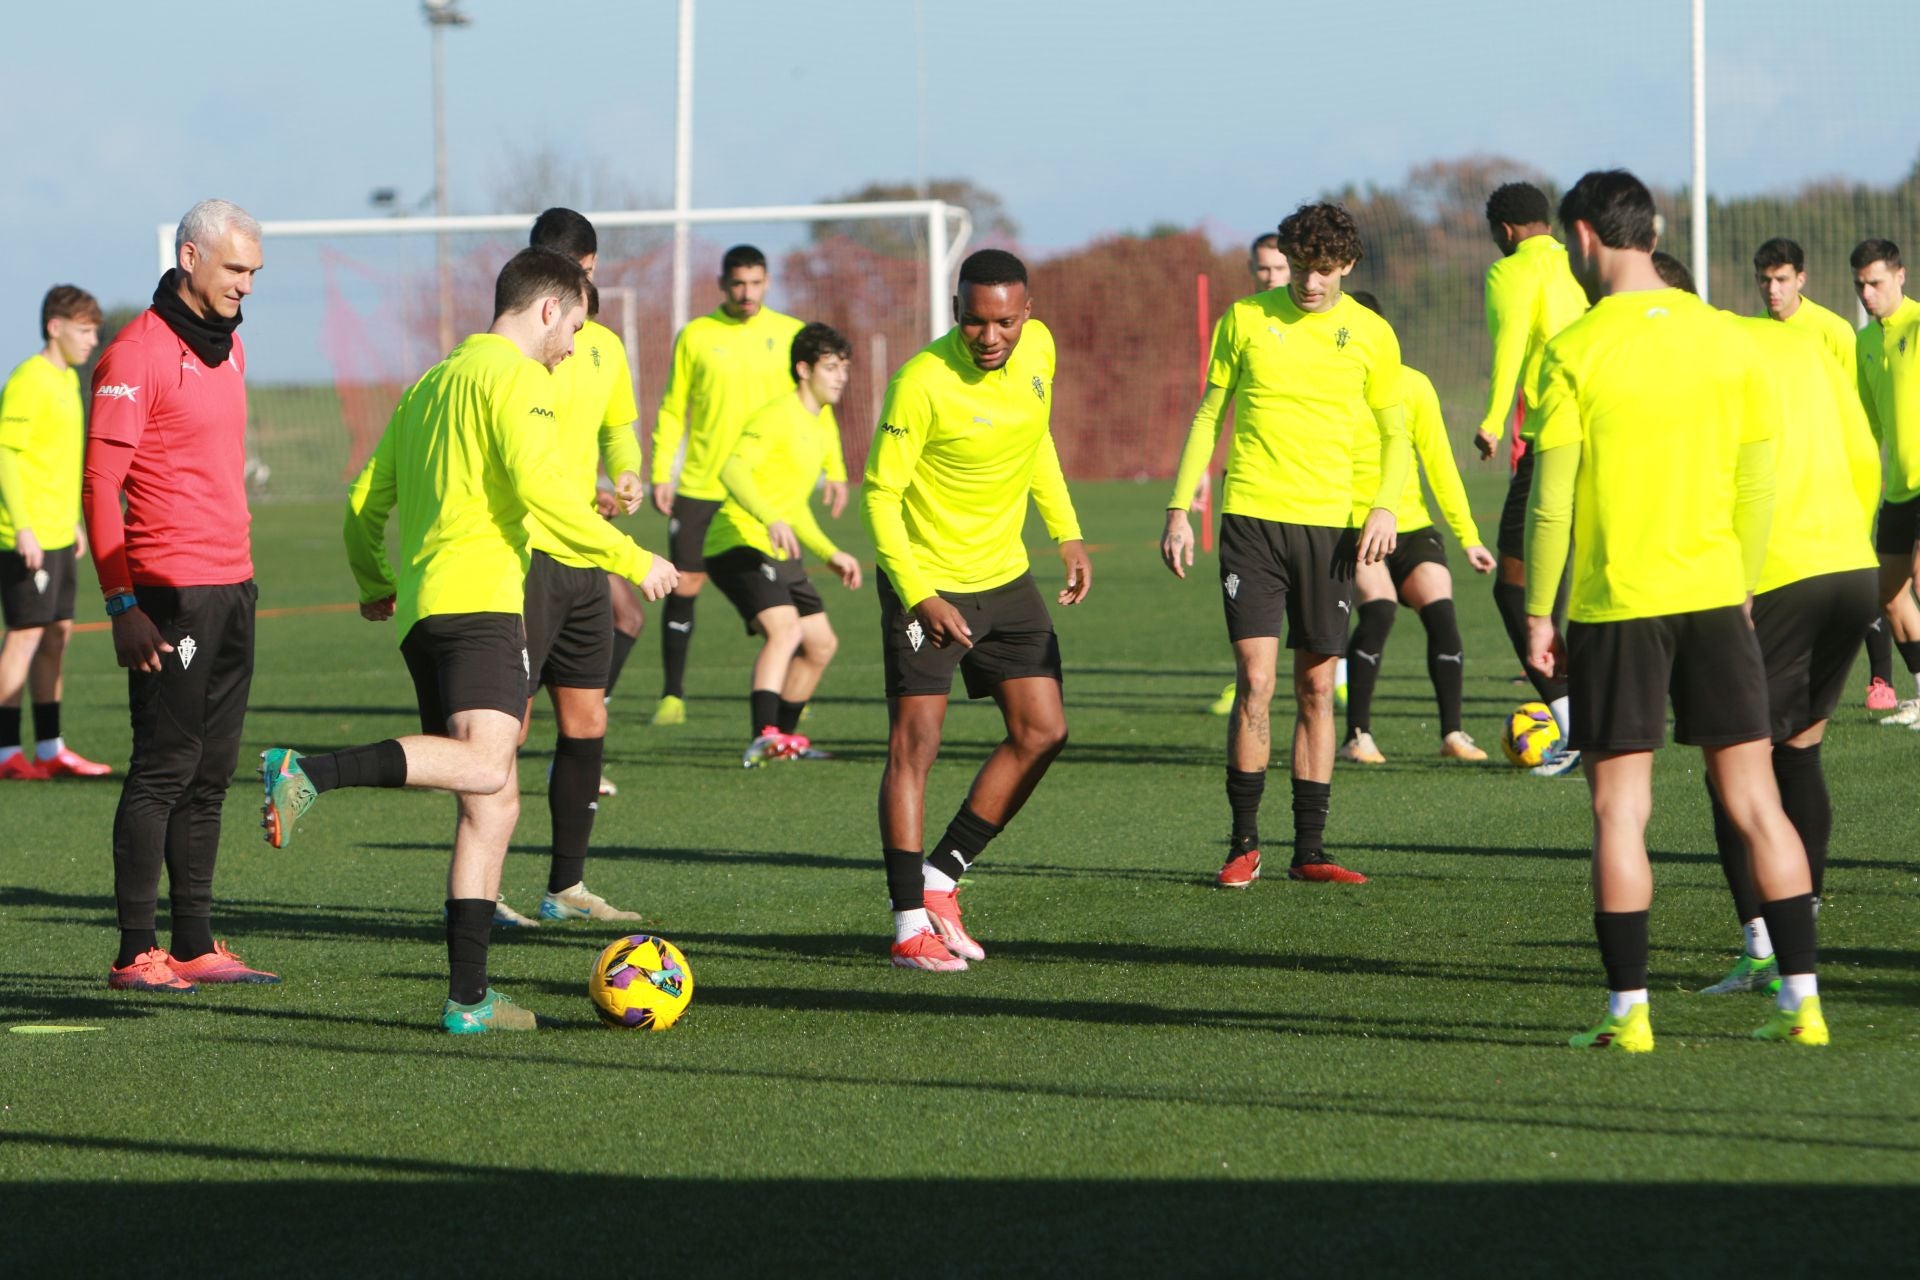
1908,713
606,786
1458,746
505,917
581,903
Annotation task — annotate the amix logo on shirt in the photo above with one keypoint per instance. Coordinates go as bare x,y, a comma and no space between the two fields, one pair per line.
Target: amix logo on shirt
536,409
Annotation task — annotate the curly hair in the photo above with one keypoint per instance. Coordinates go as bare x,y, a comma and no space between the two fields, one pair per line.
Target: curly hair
1320,236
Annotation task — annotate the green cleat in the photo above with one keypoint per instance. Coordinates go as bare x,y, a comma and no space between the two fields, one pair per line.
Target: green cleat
1803,1026
288,794
1748,974
1631,1033
671,710
494,1012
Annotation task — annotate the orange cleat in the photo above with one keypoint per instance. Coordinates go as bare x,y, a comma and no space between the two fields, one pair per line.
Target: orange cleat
1324,872
68,763
944,910
221,965
21,767
925,951
1242,869
151,971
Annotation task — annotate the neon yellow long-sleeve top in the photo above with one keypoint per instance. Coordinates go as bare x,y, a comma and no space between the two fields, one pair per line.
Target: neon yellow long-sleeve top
1839,338
770,477
1889,375
42,437
1531,296
1427,430
595,411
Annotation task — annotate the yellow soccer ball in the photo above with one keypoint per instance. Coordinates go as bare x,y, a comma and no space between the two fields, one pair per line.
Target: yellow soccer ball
1529,731
640,983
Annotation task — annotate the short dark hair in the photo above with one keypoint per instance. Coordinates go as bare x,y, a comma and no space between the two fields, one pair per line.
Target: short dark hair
67,302
1267,241
564,231
1673,272
593,299
741,255
1868,252
991,267
1320,235
816,340
1779,252
1367,300
1518,204
1615,204
532,274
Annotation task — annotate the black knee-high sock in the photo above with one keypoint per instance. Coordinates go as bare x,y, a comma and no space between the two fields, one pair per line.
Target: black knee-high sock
1733,861
1446,662
906,886
1909,654
46,721
573,798
676,637
790,712
1364,652
1623,948
469,924
1796,939
966,838
1244,789
378,764
1879,651
9,726
622,649
1511,601
1311,803
1803,794
763,708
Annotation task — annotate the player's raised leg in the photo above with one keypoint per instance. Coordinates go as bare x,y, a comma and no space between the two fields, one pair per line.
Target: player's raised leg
1373,586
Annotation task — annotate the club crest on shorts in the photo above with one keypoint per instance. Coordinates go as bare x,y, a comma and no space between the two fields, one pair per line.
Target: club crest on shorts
526,668
768,571
915,635
40,580
673,526
186,649
1232,583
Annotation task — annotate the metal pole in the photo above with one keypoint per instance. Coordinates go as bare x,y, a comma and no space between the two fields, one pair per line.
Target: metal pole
1699,229
939,304
441,254
683,167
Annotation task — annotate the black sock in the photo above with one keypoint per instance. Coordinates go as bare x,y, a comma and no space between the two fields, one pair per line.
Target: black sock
1311,802
469,922
789,719
1623,948
1244,789
1511,601
1879,651
1446,662
906,888
1733,861
966,837
46,721
192,937
135,943
764,706
1796,941
622,648
378,764
1364,650
9,726
573,797
1909,654
675,639
1803,794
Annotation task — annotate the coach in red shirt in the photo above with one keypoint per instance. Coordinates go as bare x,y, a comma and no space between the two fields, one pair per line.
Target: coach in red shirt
168,433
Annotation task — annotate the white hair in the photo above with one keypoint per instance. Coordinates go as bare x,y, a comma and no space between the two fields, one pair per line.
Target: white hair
206,221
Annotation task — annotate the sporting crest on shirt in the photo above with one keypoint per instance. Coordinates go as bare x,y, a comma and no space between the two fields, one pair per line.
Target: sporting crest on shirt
595,353
1903,344
1039,387
769,344
186,649
916,636
1340,337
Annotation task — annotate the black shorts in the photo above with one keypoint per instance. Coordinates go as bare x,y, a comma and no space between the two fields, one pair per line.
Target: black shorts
1810,632
754,581
569,622
37,598
1898,528
1411,550
687,532
1013,638
1622,675
1512,542
466,662
1271,571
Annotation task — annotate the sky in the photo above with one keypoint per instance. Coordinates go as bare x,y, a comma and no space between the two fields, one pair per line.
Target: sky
1086,116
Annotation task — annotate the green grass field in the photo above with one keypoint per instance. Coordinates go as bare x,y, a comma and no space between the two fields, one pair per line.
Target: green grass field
1148,1076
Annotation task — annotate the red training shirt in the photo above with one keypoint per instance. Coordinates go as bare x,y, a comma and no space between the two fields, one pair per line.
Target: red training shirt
171,434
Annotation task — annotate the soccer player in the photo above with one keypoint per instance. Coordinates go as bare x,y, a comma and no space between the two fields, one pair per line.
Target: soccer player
1890,391
1415,574
1655,438
470,453
168,437
726,365
964,440
1531,296
1307,369
42,438
753,545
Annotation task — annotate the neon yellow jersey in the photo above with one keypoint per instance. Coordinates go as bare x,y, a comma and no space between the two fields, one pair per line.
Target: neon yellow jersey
956,455
1835,334
1889,376
1531,296
1427,430
724,371
1660,392
1304,385
468,453
1826,469
782,450
43,434
593,403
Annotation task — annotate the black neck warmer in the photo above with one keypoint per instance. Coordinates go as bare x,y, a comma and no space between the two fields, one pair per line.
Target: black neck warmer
210,337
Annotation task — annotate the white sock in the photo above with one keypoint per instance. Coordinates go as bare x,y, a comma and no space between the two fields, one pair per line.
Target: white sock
1759,945
908,923
1340,671
1619,1002
48,748
8,753
1794,988
936,879
1560,716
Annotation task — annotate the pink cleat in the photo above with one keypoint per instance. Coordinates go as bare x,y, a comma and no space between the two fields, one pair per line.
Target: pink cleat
68,763
925,951
944,910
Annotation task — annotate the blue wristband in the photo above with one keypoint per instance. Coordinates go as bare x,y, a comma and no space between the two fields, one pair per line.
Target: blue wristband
117,605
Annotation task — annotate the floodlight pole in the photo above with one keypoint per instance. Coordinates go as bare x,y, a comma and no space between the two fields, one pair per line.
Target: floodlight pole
1701,277
683,166
440,15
